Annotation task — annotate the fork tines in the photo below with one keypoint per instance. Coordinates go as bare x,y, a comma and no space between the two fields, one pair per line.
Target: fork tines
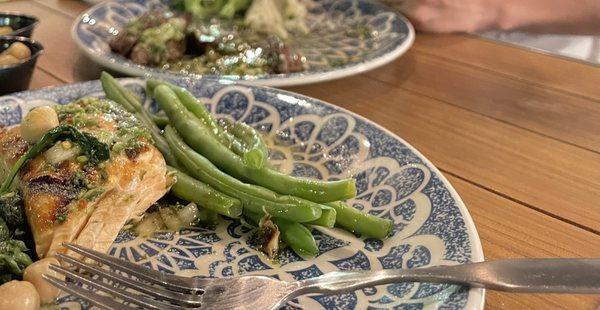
123,284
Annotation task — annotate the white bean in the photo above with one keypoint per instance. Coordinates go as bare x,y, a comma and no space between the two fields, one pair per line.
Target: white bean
19,295
37,122
18,50
7,60
4,30
33,273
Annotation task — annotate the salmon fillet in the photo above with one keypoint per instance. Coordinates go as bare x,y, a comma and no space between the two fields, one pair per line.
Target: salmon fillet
73,201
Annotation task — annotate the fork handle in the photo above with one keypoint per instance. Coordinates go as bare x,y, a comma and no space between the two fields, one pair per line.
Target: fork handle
575,276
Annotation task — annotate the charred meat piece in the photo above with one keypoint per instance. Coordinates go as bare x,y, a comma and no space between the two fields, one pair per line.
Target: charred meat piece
286,59
173,50
141,55
161,44
127,37
123,42
290,61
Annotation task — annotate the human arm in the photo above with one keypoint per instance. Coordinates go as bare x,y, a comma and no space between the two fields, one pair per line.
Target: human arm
541,16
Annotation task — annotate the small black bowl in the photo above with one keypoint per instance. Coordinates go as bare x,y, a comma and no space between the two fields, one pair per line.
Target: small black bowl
21,24
16,77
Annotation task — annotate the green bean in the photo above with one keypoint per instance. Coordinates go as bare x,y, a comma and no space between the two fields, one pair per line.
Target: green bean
190,102
314,190
327,219
198,137
242,139
256,152
208,217
190,189
298,237
117,93
253,217
198,109
360,222
255,198
160,121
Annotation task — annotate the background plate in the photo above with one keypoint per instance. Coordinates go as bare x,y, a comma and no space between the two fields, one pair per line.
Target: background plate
331,54
432,225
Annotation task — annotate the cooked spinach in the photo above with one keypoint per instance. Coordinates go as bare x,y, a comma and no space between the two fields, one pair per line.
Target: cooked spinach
12,257
4,231
13,260
11,210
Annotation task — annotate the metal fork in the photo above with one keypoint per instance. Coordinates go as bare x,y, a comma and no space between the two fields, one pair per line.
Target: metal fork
127,285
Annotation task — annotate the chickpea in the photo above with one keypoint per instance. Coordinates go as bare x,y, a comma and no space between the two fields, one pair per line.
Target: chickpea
19,295
7,60
37,122
33,274
4,30
18,50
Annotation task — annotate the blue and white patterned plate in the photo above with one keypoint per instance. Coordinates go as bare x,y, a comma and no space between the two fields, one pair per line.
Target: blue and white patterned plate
330,52
432,225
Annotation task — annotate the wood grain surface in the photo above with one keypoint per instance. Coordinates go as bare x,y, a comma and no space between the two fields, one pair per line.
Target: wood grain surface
516,132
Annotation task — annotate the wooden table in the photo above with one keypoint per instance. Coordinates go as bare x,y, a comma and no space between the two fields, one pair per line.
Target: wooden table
516,132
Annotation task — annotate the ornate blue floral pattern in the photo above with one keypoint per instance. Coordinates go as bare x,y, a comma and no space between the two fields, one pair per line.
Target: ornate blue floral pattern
330,51
311,138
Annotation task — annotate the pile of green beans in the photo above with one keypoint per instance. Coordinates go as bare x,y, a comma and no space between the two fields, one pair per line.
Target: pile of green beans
240,138
199,137
255,198
190,189
223,167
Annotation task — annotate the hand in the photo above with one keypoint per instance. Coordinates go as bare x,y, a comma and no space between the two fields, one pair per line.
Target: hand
450,15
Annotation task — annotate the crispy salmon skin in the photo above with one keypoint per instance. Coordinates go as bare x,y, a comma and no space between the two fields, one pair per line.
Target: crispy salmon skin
68,199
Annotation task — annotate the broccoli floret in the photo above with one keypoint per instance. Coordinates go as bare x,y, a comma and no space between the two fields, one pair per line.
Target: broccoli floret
204,8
